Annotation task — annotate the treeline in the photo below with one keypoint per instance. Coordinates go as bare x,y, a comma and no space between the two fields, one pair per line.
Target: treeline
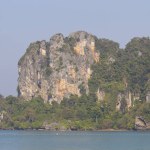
82,113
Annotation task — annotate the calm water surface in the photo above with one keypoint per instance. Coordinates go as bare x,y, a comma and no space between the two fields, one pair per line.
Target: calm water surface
45,140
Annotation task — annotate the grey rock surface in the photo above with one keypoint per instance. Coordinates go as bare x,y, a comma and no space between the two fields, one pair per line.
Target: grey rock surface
56,69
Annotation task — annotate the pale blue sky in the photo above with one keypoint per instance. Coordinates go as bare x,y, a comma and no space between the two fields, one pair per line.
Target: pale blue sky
25,21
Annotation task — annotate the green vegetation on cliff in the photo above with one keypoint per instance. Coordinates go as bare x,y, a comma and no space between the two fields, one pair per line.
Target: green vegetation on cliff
75,113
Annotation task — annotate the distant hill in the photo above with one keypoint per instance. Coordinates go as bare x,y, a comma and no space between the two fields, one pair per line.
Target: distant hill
83,64
81,82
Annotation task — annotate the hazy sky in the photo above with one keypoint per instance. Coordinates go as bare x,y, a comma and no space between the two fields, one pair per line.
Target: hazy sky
25,21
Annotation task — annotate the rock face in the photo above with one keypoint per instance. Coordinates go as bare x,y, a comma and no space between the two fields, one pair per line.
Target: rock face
148,97
140,123
57,69
2,114
100,95
124,100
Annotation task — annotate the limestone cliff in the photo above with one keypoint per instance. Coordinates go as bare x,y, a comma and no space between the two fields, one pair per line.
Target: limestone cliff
56,69
140,123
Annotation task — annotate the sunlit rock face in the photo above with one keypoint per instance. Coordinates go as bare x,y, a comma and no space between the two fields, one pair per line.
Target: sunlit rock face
56,69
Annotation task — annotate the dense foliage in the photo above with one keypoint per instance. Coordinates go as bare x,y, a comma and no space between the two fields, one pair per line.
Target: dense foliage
75,113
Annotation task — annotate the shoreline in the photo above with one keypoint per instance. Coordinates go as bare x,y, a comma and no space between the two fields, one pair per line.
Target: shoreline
102,130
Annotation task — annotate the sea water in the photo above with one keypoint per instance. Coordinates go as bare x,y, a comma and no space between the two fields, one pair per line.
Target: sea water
46,140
